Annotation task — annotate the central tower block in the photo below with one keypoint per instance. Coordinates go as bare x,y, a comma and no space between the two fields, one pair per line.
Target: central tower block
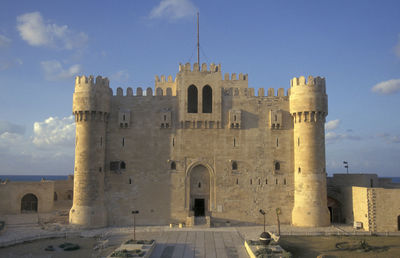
91,108
309,107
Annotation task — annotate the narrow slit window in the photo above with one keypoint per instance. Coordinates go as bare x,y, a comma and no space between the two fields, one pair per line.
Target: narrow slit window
130,181
251,181
237,181
199,185
284,181
259,181
234,142
165,118
173,165
123,141
299,170
298,141
123,117
173,142
276,181
277,142
266,181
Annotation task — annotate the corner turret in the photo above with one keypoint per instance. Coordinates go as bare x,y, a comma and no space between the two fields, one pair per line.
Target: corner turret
309,107
91,107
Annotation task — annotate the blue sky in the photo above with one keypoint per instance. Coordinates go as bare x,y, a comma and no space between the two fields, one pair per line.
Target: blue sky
44,44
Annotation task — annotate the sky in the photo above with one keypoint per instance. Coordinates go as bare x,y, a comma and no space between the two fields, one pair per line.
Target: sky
355,45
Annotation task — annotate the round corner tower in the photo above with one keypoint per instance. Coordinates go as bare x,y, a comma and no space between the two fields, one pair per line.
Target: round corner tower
91,107
309,107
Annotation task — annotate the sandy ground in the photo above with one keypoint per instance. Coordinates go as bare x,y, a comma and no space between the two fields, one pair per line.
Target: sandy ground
303,246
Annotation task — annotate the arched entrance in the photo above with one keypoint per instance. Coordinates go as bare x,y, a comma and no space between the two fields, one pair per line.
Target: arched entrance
29,203
199,190
334,210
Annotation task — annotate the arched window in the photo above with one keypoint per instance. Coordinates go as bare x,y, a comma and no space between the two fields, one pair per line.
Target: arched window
207,99
173,165
234,165
122,165
192,99
277,166
29,203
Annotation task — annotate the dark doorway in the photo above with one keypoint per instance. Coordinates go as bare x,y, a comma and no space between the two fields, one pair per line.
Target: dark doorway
334,207
199,207
29,203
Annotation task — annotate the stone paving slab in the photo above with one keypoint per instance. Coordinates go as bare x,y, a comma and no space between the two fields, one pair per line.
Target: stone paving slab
183,244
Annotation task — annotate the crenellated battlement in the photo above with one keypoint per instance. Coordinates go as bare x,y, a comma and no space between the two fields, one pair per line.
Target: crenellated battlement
147,93
84,83
250,92
311,81
241,77
162,79
196,68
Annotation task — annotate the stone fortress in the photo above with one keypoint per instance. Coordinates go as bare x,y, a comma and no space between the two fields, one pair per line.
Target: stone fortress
203,148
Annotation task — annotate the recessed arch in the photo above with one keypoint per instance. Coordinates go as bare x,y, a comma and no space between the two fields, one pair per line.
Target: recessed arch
29,203
192,99
203,171
207,99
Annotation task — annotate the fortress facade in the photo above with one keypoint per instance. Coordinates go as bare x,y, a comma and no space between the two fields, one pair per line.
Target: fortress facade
203,148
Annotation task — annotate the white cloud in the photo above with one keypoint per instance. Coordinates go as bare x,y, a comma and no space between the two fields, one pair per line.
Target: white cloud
332,136
33,29
50,150
332,125
174,9
54,71
4,41
7,127
387,87
54,131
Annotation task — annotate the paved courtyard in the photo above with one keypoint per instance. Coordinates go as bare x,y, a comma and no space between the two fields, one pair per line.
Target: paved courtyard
199,244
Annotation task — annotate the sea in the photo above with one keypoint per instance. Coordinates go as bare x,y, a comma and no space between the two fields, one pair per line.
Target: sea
32,178
53,177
